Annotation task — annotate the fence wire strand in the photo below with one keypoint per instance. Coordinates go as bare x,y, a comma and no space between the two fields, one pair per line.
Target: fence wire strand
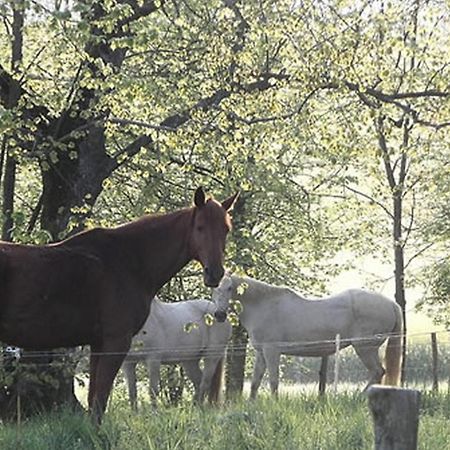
193,352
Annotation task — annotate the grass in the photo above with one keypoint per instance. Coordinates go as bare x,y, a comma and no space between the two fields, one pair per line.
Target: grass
302,421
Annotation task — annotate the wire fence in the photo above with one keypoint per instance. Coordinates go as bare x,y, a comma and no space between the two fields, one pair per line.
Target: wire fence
368,341
427,359
422,367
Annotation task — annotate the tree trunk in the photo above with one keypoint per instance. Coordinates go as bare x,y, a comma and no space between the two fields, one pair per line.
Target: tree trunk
236,357
9,183
399,272
237,351
397,189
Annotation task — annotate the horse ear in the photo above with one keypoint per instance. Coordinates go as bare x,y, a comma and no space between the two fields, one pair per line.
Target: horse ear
199,197
228,204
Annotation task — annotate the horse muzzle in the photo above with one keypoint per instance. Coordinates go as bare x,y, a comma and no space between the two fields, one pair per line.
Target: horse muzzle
213,276
220,315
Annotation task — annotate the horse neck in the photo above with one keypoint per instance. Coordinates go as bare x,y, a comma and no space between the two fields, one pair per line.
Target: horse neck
255,292
252,290
161,246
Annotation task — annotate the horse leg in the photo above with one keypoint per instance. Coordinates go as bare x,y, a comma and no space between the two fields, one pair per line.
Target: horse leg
109,361
258,373
129,371
272,357
93,362
194,373
154,375
209,368
371,360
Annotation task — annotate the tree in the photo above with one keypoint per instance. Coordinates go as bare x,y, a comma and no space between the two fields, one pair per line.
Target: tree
84,132
134,103
435,276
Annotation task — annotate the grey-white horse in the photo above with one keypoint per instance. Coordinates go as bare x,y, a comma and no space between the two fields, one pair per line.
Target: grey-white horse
180,333
280,321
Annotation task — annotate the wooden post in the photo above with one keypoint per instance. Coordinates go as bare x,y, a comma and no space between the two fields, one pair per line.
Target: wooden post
336,362
323,375
395,413
434,352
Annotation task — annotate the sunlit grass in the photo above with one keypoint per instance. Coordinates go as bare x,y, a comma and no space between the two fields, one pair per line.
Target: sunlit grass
302,421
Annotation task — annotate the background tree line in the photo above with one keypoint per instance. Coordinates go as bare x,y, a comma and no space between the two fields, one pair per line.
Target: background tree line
330,117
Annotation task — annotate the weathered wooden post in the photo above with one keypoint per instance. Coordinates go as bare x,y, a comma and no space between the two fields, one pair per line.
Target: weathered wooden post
434,353
395,414
323,375
336,362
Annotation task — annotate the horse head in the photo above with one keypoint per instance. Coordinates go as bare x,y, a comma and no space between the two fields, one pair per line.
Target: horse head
221,297
211,225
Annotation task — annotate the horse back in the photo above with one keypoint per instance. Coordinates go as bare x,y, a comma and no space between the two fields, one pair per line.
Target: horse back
59,295
373,313
178,331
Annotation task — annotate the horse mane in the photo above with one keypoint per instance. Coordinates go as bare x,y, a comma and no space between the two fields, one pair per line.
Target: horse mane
148,225
150,221
262,286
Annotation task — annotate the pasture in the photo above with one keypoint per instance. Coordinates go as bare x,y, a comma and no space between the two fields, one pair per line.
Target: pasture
299,419
294,421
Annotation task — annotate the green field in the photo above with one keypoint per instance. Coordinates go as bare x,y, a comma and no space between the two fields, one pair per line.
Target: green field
292,422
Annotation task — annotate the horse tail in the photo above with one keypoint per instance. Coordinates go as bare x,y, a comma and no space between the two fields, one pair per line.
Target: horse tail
393,355
217,382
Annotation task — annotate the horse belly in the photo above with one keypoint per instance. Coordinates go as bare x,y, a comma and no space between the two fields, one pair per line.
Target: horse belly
184,345
305,350
53,329
46,316
299,339
313,349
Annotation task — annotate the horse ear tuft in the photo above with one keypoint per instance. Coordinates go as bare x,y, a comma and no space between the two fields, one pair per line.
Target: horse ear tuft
228,204
199,197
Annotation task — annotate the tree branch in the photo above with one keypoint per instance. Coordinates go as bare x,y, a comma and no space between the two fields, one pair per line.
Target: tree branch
419,253
371,199
147,7
139,123
129,151
385,153
364,93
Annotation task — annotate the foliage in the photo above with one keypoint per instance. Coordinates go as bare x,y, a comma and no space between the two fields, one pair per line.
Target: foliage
280,102
436,301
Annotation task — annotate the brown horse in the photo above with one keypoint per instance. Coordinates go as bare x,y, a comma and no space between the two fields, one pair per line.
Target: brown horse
94,288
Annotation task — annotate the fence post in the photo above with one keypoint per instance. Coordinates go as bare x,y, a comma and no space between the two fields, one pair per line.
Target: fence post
434,353
395,413
323,374
336,362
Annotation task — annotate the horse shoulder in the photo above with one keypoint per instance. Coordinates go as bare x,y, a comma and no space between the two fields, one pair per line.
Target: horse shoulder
86,237
183,320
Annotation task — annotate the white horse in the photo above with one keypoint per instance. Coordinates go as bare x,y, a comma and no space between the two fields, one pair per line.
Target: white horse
280,321
178,333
